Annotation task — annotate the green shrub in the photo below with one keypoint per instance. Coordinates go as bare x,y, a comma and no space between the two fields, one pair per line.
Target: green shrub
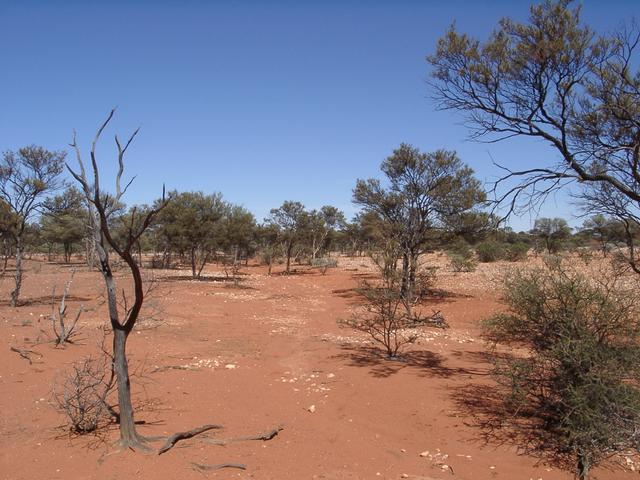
490,251
575,395
516,252
460,263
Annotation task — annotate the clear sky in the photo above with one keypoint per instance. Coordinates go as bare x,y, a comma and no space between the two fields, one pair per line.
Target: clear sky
262,101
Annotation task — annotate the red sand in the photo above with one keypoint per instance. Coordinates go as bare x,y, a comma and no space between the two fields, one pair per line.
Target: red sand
258,357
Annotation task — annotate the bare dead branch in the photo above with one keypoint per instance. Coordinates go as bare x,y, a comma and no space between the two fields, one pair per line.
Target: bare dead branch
208,468
26,354
176,437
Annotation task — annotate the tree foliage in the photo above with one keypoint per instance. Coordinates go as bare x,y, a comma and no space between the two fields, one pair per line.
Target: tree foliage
556,80
65,220
551,232
26,177
424,192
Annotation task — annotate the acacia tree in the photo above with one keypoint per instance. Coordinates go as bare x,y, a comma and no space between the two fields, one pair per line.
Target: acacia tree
552,232
238,229
26,177
65,220
321,225
604,230
122,317
425,189
552,79
7,235
290,219
192,225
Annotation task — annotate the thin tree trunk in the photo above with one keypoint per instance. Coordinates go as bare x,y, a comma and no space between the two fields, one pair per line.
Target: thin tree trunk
15,294
289,250
582,467
405,276
128,434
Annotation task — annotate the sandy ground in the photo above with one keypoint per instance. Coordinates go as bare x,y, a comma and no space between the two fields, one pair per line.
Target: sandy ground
256,357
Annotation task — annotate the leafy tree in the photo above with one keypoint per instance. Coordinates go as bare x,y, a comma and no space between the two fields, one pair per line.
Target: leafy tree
26,177
604,230
238,231
424,191
364,231
191,224
7,232
555,80
552,232
290,219
269,243
575,395
473,226
321,227
65,220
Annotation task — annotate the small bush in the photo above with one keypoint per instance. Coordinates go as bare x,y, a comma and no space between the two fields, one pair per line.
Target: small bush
384,317
324,263
516,252
461,257
460,263
81,393
490,251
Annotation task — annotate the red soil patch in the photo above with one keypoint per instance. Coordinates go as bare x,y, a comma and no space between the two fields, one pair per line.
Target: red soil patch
373,417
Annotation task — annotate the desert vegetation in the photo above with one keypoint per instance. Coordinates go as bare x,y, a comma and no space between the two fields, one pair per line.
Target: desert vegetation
412,339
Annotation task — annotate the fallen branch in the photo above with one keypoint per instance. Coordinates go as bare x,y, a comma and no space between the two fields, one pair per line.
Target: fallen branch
263,436
207,468
25,354
176,437
171,367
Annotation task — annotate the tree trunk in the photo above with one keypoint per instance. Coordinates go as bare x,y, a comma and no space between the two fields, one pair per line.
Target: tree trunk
5,263
289,250
128,435
404,288
15,294
90,252
67,252
582,467
193,262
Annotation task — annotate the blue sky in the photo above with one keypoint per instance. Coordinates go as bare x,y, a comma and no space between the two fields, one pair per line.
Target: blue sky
262,101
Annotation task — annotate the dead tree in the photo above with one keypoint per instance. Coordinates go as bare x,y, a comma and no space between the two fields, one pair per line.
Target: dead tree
62,330
122,322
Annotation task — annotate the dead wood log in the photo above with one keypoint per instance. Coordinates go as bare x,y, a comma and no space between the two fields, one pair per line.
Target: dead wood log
268,435
176,437
199,467
26,354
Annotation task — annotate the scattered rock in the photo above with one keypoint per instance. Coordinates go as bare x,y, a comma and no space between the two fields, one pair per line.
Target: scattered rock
311,409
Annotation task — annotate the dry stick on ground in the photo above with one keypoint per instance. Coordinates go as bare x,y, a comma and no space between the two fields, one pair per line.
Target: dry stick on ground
199,467
176,437
25,353
263,436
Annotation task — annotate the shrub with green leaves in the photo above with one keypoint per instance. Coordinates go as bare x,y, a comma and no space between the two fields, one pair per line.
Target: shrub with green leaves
575,394
490,251
516,252
461,257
